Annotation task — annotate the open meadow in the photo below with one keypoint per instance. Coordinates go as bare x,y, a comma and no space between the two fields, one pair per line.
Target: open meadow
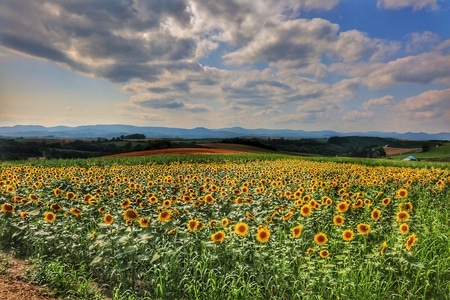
236,226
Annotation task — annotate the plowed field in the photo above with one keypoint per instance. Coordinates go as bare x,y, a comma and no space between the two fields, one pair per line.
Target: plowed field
177,151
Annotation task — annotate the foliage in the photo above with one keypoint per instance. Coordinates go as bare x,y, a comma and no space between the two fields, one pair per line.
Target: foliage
11,149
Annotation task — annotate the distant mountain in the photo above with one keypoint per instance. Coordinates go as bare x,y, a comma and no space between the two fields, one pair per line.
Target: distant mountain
110,131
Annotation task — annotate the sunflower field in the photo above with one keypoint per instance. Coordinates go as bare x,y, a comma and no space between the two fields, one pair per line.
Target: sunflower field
234,227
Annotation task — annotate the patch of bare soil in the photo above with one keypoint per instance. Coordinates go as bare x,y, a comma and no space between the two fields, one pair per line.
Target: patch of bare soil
13,284
177,151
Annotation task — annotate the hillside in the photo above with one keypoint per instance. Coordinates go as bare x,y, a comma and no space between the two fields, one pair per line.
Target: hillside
367,147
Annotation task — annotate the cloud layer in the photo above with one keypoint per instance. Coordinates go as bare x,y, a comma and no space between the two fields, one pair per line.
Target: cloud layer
259,64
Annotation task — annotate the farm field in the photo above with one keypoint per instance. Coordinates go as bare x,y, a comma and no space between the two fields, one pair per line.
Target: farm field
237,226
210,148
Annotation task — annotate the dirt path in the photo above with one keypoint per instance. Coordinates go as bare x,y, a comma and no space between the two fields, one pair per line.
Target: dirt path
14,286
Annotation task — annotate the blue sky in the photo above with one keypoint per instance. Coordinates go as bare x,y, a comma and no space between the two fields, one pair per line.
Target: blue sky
313,65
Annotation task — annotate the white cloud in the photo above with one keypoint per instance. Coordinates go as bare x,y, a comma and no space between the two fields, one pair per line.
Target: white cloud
421,41
379,102
430,104
423,69
357,116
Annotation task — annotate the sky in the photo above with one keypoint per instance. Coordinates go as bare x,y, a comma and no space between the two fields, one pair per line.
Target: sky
343,65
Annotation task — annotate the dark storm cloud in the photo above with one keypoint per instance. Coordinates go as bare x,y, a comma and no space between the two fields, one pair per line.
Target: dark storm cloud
296,42
126,72
116,40
33,47
181,86
137,15
158,90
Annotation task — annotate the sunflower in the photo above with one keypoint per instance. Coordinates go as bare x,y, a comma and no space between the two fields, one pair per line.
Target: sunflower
33,197
306,210
218,237
92,201
200,226
408,206
263,234
402,216
23,215
164,216
213,223
125,203
314,204
383,248
130,214
404,228
386,201
249,215
87,198
108,219
342,207
376,214
324,253
172,231
8,208
10,189
348,235
320,238
402,193
310,251
363,228
288,215
296,231
101,209
327,200
209,199
167,203
70,195
56,207
56,192
75,211
412,239
338,220
49,217
152,199
241,229
358,203
144,222
226,222
239,200
192,225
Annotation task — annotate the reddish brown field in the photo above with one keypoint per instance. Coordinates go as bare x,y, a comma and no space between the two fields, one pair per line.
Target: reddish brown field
395,151
177,151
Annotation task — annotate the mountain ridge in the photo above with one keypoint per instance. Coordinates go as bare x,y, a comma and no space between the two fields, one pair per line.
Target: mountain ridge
116,130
